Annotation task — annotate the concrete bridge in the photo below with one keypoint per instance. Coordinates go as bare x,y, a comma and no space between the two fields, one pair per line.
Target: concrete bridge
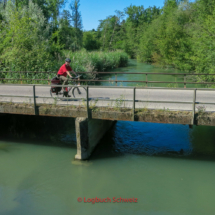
100,107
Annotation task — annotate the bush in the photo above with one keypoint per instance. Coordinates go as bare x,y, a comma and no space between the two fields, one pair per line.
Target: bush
84,61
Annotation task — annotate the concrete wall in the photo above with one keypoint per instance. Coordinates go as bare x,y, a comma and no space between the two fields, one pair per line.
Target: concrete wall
81,129
88,134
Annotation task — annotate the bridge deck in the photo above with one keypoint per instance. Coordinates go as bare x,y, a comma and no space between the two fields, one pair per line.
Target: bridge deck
151,105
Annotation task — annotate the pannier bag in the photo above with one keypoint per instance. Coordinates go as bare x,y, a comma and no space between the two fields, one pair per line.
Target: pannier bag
55,81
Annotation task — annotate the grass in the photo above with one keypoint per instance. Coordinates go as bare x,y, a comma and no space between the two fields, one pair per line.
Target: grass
163,110
54,102
118,103
92,105
11,101
144,109
201,110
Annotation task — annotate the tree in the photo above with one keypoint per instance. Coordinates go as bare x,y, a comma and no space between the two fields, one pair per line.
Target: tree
90,41
131,26
118,17
77,24
109,31
23,39
66,31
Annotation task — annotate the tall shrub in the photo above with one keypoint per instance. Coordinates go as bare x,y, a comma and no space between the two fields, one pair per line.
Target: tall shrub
24,39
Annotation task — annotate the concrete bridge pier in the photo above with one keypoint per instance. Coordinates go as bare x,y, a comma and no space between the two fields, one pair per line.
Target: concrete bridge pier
88,134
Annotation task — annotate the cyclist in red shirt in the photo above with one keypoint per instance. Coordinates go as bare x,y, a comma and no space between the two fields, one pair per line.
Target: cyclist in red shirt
63,72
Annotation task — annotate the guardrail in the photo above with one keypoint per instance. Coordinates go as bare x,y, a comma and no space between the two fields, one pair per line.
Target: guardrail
134,100
116,77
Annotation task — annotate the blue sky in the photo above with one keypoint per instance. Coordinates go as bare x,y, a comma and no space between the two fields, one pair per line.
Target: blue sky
94,10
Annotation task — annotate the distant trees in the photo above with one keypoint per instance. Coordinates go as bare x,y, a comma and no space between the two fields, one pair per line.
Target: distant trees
180,34
118,33
110,32
66,31
77,24
90,40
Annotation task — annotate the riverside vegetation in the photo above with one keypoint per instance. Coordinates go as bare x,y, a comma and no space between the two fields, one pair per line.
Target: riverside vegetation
82,61
45,40
180,34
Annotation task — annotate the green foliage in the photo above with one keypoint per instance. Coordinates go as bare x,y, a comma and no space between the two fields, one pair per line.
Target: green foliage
118,103
84,61
92,105
201,110
33,36
203,44
66,31
23,46
110,32
90,41
181,36
77,23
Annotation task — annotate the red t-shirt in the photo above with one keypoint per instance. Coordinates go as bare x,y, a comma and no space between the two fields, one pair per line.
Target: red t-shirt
63,69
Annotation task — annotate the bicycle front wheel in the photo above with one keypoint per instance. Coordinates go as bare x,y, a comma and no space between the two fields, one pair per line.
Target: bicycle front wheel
79,92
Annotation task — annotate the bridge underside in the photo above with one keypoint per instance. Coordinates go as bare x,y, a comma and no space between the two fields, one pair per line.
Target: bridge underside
90,130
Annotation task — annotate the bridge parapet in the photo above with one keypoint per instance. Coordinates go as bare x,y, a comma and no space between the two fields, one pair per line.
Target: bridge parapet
104,113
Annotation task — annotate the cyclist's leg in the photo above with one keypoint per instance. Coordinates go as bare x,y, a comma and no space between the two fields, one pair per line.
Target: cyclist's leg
64,80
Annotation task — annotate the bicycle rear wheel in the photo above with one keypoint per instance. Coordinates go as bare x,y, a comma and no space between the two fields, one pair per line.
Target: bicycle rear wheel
58,95
79,92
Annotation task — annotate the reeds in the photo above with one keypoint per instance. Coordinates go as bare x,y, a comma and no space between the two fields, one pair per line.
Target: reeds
97,61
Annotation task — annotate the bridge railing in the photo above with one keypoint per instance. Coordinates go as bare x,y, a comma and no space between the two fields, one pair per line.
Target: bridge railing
134,99
143,75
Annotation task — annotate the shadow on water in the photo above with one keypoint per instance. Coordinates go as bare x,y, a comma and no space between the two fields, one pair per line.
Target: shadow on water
52,131
148,139
160,140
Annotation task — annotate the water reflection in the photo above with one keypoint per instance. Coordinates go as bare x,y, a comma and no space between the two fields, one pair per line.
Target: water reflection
135,66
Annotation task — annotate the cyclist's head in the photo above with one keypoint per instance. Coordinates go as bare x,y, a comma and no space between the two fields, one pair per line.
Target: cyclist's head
68,60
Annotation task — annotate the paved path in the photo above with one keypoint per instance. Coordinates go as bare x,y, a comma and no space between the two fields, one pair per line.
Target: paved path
148,94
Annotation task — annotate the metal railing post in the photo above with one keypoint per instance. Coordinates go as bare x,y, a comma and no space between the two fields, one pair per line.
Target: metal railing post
184,81
146,81
20,76
87,96
134,94
34,95
116,78
194,106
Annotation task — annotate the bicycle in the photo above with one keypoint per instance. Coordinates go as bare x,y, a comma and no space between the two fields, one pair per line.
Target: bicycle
76,92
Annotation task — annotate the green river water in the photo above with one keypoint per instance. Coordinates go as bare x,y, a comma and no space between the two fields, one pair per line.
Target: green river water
168,168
